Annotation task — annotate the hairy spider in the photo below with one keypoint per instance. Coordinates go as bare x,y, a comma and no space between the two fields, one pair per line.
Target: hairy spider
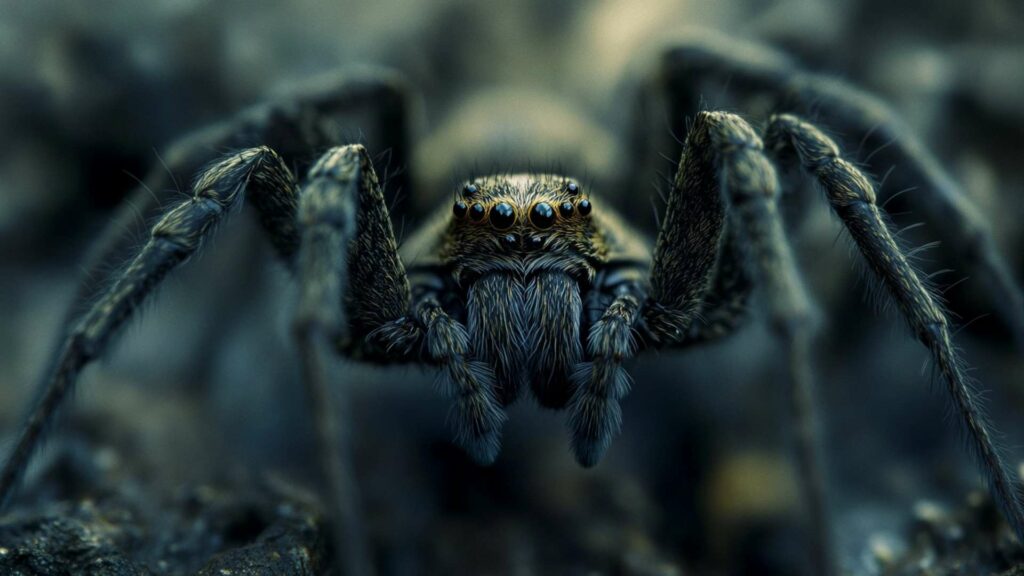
527,282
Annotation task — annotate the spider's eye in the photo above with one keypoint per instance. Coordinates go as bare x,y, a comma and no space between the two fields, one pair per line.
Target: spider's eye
584,206
469,190
511,241
503,216
477,212
566,209
572,188
460,209
542,215
534,243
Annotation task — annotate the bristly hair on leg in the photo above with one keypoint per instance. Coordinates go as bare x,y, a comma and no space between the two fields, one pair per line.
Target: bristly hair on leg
177,236
477,416
757,72
853,199
595,417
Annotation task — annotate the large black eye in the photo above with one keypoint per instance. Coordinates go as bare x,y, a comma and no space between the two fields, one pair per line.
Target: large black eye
460,209
468,191
584,206
566,209
572,188
503,216
542,215
477,212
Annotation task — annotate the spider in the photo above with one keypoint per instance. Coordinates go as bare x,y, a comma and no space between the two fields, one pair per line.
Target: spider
529,283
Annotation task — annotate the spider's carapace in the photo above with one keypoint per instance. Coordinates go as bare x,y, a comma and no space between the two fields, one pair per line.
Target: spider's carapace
520,259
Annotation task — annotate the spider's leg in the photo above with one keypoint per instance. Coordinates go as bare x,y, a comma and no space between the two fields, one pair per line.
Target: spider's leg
598,384
257,172
726,305
297,126
700,69
334,453
343,206
852,197
722,151
351,280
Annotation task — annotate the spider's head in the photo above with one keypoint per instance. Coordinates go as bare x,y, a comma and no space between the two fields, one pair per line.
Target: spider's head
522,223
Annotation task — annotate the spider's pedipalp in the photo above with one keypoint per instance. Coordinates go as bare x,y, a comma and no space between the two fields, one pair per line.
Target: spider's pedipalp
598,384
852,197
478,416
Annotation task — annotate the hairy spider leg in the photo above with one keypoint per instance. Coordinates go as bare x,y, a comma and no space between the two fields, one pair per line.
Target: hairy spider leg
726,304
683,261
257,176
380,321
298,126
690,69
723,167
351,252
852,197
174,238
347,240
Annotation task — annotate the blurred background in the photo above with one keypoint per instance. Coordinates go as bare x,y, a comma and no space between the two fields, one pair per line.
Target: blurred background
197,413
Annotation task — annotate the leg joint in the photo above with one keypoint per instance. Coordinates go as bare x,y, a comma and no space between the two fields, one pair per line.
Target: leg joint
342,162
811,145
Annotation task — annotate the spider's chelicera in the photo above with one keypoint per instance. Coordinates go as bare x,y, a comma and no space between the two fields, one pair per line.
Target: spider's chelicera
527,283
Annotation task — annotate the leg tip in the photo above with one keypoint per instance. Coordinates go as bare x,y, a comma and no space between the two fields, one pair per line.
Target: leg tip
478,420
594,422
483,450
589,451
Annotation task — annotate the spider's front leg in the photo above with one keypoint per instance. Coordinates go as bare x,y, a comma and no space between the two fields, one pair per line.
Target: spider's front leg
683,267
345,230
354,289
351,277
722,155
723,165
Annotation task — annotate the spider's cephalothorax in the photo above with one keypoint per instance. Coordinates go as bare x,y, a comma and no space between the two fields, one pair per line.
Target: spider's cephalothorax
520,283
506,282
522,250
